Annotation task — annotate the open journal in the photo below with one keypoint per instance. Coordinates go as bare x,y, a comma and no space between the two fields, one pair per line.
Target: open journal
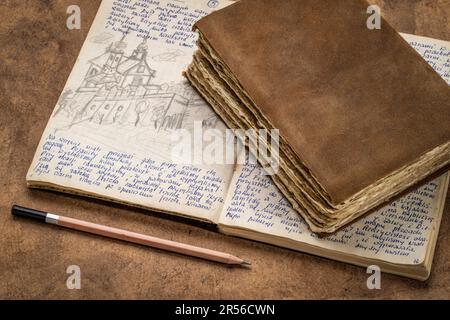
110,137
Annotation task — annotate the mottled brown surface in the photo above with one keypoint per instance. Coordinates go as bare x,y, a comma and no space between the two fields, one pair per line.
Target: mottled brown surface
36,55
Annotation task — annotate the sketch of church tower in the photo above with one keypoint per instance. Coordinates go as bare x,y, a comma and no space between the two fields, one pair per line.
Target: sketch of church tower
112,68
118,89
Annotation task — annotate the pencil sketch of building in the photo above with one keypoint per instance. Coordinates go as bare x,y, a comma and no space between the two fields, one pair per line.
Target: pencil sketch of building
118,89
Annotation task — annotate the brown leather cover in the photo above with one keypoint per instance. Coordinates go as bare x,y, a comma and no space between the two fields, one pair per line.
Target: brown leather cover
354,104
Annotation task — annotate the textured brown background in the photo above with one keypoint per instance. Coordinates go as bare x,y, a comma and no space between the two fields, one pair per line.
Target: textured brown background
36,55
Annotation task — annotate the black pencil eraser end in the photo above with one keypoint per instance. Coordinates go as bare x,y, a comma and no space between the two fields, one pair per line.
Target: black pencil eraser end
20,211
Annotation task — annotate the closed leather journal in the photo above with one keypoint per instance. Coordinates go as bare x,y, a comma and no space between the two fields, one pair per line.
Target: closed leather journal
361,116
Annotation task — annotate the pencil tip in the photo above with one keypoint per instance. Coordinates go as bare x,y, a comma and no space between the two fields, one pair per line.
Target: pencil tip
245,263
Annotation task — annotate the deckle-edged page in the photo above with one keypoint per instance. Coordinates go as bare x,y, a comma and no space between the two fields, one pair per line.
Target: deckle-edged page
110,132
399,232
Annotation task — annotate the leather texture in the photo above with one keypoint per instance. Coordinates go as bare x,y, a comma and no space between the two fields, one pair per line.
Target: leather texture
354,104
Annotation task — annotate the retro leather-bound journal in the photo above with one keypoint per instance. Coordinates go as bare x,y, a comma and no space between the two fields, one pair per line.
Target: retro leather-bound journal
361,115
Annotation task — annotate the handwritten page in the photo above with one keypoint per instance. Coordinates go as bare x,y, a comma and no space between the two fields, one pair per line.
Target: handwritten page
435,52
110,132
398,232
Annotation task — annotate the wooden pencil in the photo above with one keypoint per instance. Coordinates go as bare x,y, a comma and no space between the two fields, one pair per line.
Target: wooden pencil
128,236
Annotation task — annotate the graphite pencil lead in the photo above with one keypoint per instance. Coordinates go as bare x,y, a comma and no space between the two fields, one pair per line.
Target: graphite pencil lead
246,263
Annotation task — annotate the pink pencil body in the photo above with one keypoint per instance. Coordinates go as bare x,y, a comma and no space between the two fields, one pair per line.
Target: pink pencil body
129,236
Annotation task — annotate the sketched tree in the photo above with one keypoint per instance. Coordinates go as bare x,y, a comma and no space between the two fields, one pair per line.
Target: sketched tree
63,101
157,114
141,108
